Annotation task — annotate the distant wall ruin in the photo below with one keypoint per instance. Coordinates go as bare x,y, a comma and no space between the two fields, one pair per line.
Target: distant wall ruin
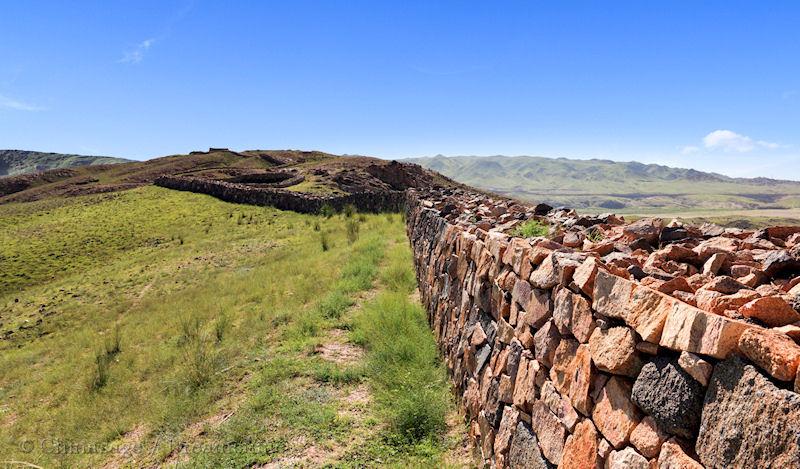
382,201
669,347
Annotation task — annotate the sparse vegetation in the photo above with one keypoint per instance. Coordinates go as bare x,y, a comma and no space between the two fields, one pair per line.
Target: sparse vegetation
353,229
232,315
530,229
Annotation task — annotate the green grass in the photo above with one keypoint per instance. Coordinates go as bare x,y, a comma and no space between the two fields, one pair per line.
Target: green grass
152,311
530,229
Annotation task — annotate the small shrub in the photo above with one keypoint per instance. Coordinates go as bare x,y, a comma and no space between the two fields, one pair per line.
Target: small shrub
323,241
353,228
100,371
349,210
113,343
199,362
327,211
190,329
333,305
221,326
530,229
595,235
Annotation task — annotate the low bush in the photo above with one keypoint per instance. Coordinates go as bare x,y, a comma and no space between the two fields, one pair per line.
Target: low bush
531,229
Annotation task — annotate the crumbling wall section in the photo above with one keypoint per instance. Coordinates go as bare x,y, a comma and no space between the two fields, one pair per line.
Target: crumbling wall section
380,201
571,352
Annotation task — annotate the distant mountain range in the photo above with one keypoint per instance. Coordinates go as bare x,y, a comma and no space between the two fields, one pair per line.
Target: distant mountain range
15,162
611,185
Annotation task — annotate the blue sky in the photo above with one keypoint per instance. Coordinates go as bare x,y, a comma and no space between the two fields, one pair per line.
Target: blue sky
710,85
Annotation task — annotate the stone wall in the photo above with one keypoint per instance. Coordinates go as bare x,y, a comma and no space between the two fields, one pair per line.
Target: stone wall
380,201
610,344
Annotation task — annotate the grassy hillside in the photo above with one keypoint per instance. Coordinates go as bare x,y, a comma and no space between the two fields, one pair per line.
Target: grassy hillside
601,185
14,162
155,327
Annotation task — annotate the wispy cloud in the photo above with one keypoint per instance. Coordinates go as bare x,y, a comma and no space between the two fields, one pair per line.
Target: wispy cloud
730,141
689,149
17,105
137,54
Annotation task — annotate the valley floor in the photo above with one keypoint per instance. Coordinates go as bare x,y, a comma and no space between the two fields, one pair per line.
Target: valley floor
153,328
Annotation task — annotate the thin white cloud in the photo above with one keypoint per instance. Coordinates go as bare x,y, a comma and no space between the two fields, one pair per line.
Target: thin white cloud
689,149
11,103
729,141
137,54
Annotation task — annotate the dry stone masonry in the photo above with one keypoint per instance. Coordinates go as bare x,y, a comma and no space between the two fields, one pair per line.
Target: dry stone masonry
609,344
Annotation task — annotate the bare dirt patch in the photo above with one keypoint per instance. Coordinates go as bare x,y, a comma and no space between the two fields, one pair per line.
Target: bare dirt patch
337,350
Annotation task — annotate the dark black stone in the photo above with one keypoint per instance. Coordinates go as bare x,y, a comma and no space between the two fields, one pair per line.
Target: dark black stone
481,357
637,272
670,395
525,452
542,209
670,234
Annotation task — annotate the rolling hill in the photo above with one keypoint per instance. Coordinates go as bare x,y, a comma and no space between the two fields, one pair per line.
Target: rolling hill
15,162
603,185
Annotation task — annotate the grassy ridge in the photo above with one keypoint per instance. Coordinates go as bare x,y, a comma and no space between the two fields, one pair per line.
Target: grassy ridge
218,309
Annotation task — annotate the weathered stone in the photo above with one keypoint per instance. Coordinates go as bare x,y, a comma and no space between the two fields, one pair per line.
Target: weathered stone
775,353
712,246
580,450
604,448
778,263
714,263
582,324
547,275
614,350
478,335
627,458
521,292
539,308
648,229
579,389
690,329
698,368
648,438
717,303
614,414
545,343
748,421
561,371
550,432
612,295
771,310
502,441
562,309
559,405
525,384
525,452
672,456
506,389
676,284
505,333
670,395
585,274
482,356
647,347
487,435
